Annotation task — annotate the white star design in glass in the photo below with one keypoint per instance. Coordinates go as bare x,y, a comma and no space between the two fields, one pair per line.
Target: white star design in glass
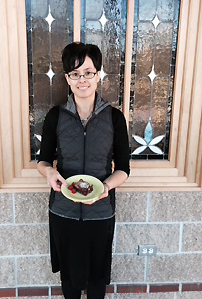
102,74
103,20
156,21
152,75
148,141
49,19
50,73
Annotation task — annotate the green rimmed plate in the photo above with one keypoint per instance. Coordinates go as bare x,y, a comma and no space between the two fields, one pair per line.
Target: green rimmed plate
98,188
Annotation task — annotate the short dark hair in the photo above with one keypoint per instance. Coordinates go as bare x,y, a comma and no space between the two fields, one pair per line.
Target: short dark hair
78,51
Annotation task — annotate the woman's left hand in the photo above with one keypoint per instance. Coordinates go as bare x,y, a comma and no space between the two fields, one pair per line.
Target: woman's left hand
103,195
117,178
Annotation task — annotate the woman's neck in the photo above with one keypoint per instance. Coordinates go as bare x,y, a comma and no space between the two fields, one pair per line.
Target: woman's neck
84,107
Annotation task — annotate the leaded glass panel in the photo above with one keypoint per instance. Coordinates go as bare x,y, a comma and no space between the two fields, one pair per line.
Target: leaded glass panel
104,24
49,30
153,65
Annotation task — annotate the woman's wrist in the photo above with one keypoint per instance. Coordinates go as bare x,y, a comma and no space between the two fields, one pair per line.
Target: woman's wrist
104,183
48,169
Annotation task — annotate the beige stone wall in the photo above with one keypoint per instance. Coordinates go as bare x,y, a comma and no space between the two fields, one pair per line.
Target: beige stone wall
171,220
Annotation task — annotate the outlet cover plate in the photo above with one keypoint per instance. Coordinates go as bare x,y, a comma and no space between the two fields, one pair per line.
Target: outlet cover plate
147,250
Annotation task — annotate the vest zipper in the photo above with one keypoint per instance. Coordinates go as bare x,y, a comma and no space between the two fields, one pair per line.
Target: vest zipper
84,133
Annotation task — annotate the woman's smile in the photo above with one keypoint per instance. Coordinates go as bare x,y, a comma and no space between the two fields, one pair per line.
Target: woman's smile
83,87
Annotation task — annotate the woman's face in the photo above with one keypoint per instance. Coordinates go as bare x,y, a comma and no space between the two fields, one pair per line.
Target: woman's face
84,88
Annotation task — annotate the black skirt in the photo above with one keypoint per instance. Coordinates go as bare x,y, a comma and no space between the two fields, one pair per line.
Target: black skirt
81,250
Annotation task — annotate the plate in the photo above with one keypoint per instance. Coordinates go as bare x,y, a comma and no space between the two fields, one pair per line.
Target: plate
98,188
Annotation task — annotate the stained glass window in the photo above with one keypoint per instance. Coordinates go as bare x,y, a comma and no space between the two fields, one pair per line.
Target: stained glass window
49,30
153,67
103,22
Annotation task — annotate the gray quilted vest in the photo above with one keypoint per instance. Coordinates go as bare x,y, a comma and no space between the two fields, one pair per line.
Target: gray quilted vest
86,150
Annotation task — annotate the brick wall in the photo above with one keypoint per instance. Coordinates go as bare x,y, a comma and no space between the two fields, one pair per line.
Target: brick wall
171,220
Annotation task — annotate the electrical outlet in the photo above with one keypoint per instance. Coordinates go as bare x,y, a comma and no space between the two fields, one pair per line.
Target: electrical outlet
147,250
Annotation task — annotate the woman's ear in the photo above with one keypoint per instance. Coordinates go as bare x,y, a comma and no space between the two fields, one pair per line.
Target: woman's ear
98,76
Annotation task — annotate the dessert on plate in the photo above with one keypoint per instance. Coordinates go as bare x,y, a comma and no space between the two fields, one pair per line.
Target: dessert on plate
82,187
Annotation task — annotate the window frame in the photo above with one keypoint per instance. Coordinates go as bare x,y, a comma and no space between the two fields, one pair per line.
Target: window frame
183,169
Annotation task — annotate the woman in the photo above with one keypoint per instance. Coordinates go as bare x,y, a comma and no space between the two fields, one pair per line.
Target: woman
87,133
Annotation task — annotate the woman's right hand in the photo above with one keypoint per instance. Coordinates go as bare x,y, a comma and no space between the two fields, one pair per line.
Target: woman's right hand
54,179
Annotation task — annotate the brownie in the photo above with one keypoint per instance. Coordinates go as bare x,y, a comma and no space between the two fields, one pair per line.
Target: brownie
83,187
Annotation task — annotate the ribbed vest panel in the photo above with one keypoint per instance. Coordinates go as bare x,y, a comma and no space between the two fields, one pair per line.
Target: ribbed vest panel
84,151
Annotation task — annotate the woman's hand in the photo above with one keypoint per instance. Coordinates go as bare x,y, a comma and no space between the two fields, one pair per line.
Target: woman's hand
103,195
105,192
114,180
54,179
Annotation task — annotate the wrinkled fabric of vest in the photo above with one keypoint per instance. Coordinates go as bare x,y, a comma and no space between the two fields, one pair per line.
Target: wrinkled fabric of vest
84,150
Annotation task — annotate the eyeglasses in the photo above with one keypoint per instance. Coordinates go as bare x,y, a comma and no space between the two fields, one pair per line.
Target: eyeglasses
77,76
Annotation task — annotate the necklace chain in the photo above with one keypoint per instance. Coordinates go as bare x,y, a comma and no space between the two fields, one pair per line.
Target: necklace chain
85,120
